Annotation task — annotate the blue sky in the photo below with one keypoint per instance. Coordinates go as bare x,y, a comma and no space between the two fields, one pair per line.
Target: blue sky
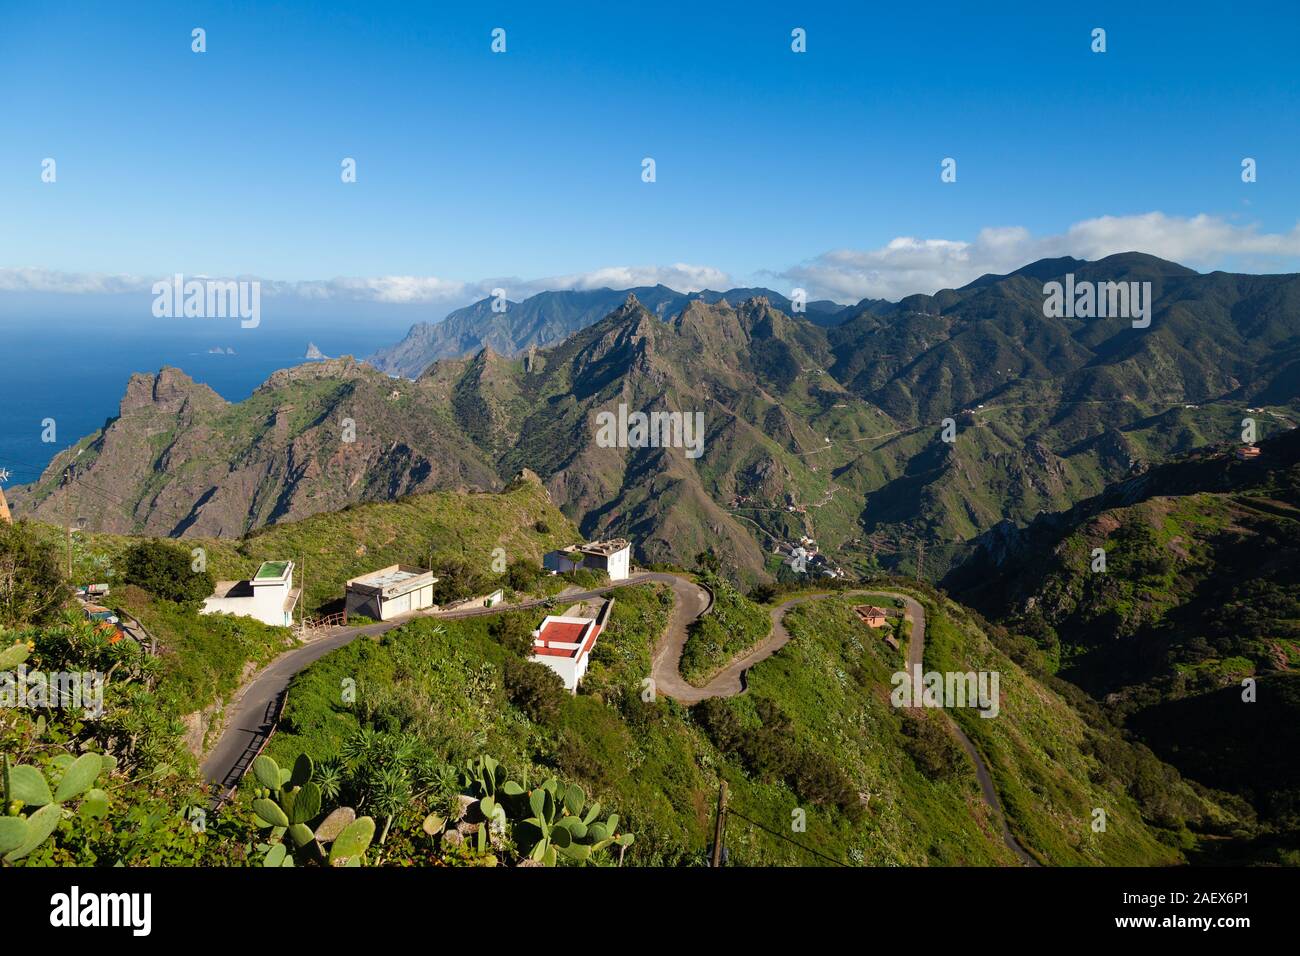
772,167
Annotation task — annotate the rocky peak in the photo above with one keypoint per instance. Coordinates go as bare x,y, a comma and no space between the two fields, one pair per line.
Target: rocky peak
527,476
167,391
343,367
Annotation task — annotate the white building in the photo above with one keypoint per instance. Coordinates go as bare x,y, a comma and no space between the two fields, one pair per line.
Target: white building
269,596
564,643
614,557
389,592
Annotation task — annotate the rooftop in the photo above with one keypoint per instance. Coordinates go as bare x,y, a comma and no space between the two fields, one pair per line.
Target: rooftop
578,633
387,576
396,579
604,548
232,589
273,570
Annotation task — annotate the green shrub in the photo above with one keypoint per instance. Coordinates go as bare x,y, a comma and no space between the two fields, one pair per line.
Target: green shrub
931,747
166,571
522,575
533,688
513,630
457,580
32,588
732,627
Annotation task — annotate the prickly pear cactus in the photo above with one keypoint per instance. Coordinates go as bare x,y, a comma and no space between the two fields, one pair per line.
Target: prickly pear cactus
288,802
32,808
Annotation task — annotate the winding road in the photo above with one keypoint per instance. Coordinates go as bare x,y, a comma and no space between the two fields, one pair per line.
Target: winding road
252,715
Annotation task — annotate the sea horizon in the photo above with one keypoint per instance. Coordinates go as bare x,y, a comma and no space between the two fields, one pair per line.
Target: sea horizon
75,372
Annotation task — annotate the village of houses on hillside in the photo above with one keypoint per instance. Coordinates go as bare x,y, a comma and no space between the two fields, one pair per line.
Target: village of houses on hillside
562,642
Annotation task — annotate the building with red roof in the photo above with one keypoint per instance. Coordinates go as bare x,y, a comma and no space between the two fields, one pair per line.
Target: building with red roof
564,643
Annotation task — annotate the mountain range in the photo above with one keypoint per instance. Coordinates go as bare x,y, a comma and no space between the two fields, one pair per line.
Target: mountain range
833,431
546,318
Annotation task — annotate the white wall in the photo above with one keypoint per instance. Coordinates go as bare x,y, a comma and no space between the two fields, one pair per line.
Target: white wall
566,667
618,564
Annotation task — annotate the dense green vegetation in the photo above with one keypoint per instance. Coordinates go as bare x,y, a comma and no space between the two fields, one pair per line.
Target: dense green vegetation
167,571
815,733
486,540
204,659
820,766
444,685
1196,612
99,787
1055,763
32,587
733,626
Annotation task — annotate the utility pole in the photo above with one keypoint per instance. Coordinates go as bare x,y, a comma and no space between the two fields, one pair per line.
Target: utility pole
920,557
720,825
4,505
67,516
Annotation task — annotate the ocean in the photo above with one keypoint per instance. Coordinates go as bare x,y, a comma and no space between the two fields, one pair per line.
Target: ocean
75,371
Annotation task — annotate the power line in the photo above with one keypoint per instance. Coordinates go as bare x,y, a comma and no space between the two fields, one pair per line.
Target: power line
80,484
732,812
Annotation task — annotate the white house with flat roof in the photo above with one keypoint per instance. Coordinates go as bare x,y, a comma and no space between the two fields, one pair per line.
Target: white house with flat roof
269,595
390,592
614,557
564,643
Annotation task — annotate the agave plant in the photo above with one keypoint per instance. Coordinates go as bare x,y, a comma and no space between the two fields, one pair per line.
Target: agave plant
390,791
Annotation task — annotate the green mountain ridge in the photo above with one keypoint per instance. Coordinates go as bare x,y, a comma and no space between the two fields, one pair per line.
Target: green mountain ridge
1190,632
828,433
510,328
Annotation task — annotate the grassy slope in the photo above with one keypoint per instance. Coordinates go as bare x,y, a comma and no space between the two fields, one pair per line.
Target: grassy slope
733,626
343,544
1199,594
1038,753
658,768
205,657
443,682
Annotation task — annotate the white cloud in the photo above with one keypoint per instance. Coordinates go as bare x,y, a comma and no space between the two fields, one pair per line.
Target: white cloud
75,283
397,289
902,266
425,290
907,265
681,276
